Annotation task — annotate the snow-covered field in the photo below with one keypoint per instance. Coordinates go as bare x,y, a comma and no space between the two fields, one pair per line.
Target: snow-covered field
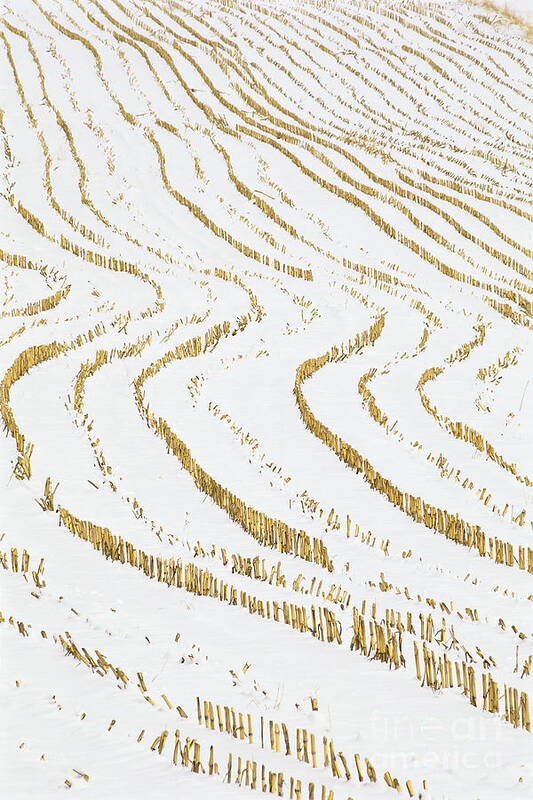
266,517
520,10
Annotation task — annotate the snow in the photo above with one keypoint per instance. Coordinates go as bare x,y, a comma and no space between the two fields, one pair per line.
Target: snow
521,10
266,262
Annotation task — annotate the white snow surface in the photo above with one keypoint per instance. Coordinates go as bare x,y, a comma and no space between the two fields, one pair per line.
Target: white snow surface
522,10
274,256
